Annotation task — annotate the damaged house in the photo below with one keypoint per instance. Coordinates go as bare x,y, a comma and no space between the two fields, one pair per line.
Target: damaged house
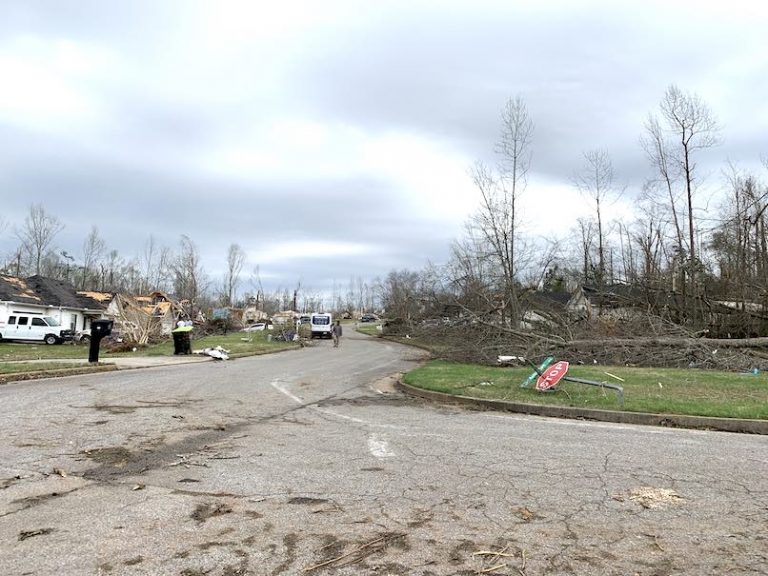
141,318
50,297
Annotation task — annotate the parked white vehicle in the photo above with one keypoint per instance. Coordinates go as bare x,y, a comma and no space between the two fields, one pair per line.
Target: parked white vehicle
83,335
257,327
321,324
34,327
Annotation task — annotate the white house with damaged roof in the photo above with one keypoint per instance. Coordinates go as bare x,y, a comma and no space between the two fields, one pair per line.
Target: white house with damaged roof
48,297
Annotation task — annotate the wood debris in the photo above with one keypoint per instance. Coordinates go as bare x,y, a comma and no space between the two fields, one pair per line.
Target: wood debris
32,533
359,553
525,514
650,497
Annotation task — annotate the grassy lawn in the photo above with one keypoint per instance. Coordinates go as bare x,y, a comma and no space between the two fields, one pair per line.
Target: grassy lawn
238,343
664,391
370,328
17,367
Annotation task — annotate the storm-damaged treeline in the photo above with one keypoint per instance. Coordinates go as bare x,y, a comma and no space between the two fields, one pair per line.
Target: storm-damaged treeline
681,262
177,270
681,266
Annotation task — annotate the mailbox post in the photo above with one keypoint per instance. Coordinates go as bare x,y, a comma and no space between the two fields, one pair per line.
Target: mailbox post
99,329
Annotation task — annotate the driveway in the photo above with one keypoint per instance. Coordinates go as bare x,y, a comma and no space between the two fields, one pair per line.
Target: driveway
308,462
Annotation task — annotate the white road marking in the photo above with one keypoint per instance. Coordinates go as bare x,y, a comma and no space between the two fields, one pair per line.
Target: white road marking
356,420
290,395
298,400
331,413
379,447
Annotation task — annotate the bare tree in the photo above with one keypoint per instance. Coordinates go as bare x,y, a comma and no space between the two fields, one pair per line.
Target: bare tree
596,180
665,183
94,247
111,272
514,149
497,220
257,286
37,235
685,127
401,295
693,124
648,235
154,264
235,261
189,279
586,232
740,242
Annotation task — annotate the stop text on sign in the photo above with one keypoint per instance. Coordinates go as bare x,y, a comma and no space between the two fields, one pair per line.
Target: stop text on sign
552,375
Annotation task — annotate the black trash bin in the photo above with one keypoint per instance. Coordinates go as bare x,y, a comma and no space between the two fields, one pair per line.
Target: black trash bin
177,345
182,340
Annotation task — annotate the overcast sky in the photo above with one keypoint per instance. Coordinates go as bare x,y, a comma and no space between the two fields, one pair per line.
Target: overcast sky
333,139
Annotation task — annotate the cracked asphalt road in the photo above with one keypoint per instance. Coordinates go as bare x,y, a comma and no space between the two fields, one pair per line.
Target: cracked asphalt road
308,462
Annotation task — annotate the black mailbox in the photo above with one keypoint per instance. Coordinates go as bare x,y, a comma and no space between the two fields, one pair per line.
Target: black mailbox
99,329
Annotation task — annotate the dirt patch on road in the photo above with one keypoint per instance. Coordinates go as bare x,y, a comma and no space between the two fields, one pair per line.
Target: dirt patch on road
194,450
141,404
307,501
377,400
116,455
205,511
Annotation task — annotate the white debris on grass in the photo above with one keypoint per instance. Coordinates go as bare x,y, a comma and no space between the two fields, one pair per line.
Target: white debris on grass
217,353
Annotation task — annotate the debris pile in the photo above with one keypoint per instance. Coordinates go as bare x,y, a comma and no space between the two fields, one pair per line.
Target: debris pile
217,353
650,343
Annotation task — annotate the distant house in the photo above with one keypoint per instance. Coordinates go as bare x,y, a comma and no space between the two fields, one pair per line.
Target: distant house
619,301
41,295
542,307
252,314
285,317
578,305
164,309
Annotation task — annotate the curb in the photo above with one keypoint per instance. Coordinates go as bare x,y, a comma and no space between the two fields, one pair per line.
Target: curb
617,417
57,373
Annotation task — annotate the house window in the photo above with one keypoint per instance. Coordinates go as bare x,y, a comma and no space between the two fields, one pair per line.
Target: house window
11,320
23,320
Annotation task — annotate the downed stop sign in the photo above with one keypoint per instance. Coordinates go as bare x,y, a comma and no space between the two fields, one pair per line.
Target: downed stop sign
552,375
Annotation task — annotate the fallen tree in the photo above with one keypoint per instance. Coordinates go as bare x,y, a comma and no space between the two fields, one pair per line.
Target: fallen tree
607,342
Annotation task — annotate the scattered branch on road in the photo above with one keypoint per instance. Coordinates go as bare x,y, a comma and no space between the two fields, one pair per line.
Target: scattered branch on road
361,552
494,557
655,540
32,533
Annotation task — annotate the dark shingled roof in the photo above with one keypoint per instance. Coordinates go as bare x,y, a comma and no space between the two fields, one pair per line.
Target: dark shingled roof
44,292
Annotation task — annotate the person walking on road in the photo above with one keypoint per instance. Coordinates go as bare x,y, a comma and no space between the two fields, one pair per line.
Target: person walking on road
336,333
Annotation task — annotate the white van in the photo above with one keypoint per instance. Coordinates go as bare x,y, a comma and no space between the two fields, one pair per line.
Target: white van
35,327
321,325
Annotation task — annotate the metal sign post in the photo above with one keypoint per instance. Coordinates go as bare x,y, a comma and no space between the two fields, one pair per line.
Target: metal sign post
537,371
